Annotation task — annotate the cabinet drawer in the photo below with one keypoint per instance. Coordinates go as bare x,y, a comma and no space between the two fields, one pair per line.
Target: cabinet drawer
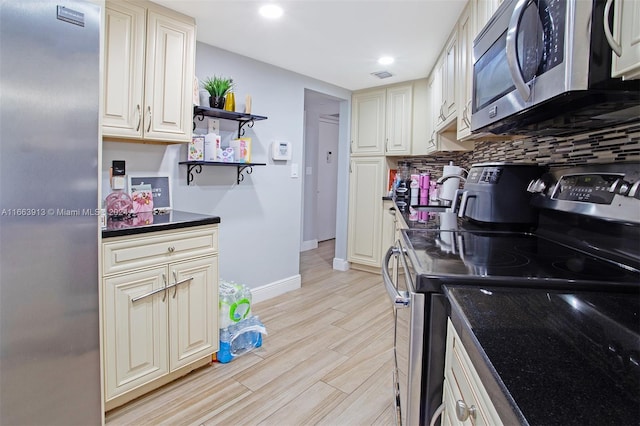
125,253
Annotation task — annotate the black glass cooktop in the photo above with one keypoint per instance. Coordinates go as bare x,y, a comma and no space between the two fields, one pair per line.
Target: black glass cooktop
509,258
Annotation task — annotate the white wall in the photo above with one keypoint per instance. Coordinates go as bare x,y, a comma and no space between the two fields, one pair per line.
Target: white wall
260,230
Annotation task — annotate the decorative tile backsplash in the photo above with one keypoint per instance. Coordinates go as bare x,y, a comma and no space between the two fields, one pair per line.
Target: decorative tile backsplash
604,146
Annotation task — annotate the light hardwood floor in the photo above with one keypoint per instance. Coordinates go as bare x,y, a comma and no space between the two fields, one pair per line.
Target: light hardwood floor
326,360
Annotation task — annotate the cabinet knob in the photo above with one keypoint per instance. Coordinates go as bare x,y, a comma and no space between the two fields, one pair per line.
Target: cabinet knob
463,412
171,249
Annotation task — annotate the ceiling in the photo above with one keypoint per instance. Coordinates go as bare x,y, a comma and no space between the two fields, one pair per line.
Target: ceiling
335,41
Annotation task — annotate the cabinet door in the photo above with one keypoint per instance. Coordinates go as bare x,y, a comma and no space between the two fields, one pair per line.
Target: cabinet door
193,310
626,30
135,333
399,120
449,78
433,95
368,123
366,184
465,72
388,225
482,11
169,78
437,90
124,70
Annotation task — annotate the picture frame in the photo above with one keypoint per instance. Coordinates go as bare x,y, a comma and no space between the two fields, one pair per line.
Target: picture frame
160,189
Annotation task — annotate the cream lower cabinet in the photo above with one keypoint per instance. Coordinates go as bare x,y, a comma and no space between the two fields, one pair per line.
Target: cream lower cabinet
366,182
148,72
159,317
465,400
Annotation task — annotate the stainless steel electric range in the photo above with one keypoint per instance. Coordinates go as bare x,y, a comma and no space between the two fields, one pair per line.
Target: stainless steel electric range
586,238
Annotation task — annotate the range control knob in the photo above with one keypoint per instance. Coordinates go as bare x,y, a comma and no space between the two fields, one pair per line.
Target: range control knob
537,186
635,190
620,186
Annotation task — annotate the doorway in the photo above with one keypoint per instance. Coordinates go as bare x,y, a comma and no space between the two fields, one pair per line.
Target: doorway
322,119
327,177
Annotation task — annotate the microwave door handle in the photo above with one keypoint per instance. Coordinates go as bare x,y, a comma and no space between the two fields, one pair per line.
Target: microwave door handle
512,50
615,46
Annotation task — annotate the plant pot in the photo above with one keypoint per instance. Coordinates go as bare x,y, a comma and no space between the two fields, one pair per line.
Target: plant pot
216,102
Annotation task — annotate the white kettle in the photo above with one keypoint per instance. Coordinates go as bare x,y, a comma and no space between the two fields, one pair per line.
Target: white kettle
450,182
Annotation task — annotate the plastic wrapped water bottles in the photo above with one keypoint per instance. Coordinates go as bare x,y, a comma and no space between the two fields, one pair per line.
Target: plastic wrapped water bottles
235,303
240,338
240,331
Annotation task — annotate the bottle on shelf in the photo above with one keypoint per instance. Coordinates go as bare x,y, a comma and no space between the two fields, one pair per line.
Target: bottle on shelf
230,101
212,143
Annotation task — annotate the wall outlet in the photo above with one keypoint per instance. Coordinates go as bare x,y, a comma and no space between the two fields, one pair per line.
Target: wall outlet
215,125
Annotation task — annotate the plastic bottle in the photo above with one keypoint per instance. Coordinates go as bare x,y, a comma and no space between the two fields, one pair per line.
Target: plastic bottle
230,101
212,142
224,353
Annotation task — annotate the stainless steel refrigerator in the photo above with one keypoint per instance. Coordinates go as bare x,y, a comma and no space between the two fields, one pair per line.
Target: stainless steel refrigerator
49,141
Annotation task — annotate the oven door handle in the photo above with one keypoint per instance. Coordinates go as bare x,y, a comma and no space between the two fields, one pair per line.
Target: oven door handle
512,50
399,299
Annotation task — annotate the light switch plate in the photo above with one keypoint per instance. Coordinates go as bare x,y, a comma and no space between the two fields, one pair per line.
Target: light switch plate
294,170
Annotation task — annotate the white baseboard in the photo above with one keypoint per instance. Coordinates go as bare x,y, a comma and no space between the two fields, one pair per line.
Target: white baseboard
309,245
340,264
275,288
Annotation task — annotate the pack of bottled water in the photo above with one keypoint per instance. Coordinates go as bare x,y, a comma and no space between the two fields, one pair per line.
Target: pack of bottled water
240,338
235,303
240,331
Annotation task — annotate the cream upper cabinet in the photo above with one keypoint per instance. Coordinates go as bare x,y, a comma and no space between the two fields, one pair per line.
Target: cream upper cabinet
382,121
446,77
366,183
148,72
465,68
368,122
625,39
399,120
482,11
422,139
433,87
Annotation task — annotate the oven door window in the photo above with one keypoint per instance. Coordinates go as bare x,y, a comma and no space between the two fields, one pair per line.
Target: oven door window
492,78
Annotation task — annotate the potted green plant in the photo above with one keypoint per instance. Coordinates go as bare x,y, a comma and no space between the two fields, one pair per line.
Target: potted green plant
217,88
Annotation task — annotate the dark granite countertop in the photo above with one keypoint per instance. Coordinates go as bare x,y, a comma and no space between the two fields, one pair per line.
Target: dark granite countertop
553,358
149,222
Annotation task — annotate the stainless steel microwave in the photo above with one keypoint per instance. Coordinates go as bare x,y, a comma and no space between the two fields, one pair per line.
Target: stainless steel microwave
543,67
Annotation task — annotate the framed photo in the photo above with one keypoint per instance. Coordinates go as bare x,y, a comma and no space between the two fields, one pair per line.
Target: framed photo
160,190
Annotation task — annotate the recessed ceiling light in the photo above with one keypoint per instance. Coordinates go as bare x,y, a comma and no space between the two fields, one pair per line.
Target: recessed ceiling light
385,60
271,11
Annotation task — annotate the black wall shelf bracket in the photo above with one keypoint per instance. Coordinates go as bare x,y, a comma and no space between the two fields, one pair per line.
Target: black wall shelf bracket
242,119
190,169
242,169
